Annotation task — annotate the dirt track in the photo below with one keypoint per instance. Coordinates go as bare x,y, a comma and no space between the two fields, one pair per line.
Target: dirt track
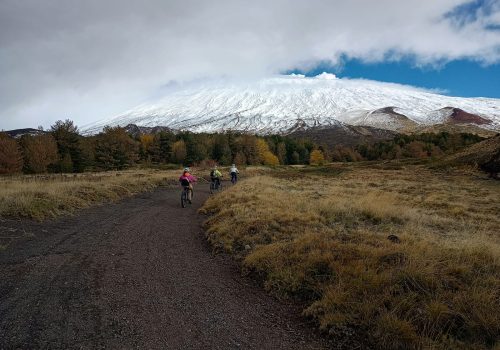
136,274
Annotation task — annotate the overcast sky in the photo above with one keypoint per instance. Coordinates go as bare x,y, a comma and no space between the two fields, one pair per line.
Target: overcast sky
87,60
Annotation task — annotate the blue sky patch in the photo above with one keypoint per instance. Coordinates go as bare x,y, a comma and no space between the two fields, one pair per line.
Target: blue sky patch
463,78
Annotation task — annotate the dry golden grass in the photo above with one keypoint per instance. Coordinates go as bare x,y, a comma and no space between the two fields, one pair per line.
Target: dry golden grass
321,237
48,196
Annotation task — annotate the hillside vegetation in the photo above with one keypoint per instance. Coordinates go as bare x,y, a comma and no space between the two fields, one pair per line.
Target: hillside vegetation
397,258
476,154
63,149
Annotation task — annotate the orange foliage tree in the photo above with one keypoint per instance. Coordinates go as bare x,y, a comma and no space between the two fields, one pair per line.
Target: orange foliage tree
147,142
416,149
265,155
11,159
179,152
39,152
316,157
270,159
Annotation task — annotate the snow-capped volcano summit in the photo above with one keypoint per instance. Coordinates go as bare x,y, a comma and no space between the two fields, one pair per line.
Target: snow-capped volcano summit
283,103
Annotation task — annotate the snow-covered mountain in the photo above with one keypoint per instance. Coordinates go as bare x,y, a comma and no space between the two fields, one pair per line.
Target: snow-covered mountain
282,104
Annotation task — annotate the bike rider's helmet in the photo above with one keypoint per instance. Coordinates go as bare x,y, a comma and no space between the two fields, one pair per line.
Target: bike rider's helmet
186,170
234,165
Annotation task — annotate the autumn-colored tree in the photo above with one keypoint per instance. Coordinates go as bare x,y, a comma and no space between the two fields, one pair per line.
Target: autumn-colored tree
240,158
336,154
147,142
316,157
179,152
262,148
266,157
270,159
350,155
11,159
416,149
248,146
39,153
149,149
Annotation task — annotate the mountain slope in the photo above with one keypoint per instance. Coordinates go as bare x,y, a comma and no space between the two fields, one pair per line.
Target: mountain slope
18,133
476,154
344,135
284,103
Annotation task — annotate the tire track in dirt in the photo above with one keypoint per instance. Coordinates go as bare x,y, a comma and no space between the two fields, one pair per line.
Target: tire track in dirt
136,274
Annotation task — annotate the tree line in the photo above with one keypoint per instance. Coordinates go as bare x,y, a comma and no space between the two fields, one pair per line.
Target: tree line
426,145
62,149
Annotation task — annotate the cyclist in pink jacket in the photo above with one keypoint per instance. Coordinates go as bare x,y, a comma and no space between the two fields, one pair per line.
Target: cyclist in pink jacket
187,180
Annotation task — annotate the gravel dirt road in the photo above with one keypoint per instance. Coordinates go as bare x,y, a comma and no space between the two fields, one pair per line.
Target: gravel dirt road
135,274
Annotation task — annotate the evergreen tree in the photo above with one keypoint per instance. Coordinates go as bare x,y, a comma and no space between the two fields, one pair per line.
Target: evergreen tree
115,149
68,142
165,141
221,151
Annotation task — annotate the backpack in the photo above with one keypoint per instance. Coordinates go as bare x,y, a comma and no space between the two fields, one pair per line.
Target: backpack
212,173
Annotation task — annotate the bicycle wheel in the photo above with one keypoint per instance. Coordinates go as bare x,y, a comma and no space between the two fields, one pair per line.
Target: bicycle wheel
183,198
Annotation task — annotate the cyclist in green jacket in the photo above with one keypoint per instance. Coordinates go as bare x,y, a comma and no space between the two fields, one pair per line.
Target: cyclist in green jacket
215,176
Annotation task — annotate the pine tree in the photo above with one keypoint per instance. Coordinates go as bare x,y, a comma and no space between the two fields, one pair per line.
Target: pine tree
68,142
66,163
164,141
221,151
115,149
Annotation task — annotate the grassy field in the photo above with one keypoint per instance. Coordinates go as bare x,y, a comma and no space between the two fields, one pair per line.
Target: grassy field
47,196
388,255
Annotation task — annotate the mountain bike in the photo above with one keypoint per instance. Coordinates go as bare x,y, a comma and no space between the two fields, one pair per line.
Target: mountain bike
185,193
184,196
215,185
234,178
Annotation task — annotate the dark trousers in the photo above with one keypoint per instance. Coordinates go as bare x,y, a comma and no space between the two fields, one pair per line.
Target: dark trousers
216,181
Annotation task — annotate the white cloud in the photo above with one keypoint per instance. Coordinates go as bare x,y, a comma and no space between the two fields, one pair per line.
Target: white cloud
326,76
88,59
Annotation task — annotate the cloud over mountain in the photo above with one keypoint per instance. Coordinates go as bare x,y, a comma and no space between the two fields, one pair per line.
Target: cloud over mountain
90,59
